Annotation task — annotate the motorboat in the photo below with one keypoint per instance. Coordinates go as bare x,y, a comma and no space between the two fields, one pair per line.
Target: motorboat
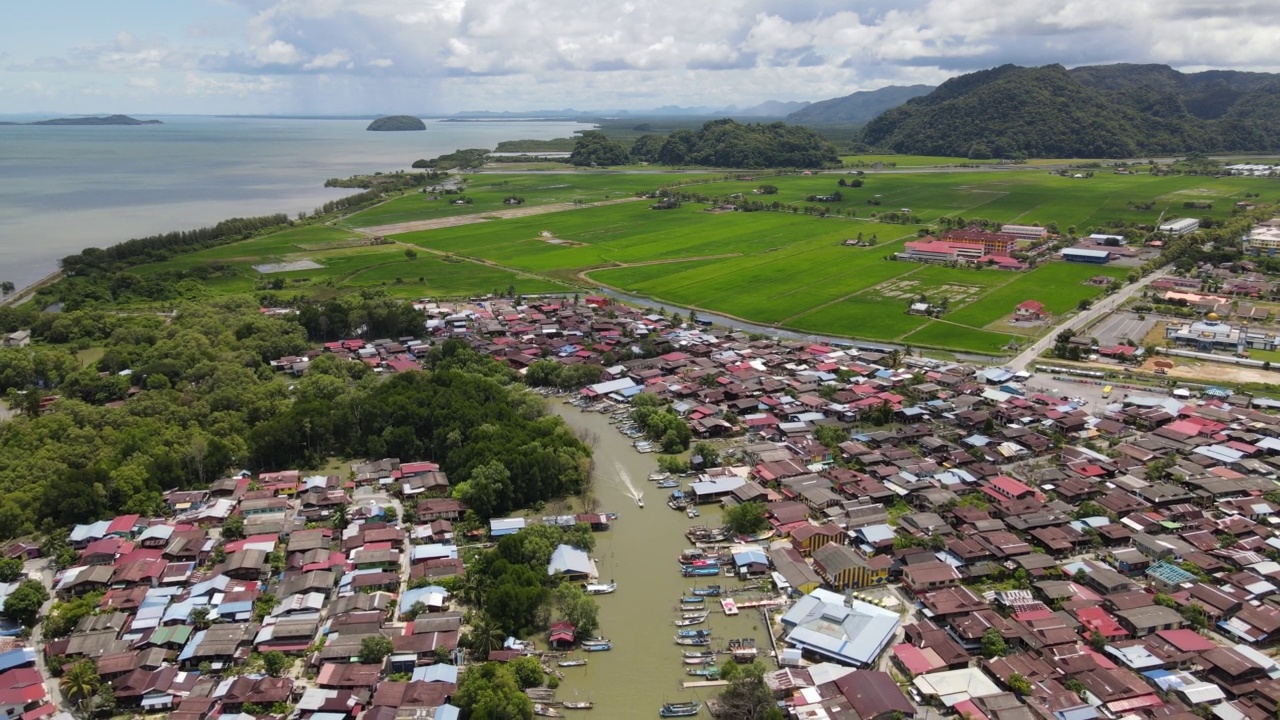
683,709
599,589
708,591
571,663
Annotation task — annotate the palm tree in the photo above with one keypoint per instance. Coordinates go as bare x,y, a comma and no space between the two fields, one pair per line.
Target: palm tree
486,637
80,681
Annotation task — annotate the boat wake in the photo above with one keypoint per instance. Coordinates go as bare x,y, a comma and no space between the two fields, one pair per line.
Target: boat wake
625,478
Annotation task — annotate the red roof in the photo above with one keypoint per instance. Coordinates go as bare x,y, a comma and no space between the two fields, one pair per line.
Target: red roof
1186,640
1031,306
122,524
1095,619
414,468
917,660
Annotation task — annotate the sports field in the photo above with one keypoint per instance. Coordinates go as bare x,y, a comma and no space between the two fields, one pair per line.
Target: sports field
782,269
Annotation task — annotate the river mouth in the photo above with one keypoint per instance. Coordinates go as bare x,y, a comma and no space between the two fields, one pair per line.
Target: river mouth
646,667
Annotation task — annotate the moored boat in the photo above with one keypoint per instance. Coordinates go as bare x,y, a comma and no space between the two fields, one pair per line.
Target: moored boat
668,484
693,633
684,709
686,622
579,704
545,710
699,661
711,673
692,615
597,647
693,641
691,512
656,476
571,663
700,570
692,600
708,591
599,589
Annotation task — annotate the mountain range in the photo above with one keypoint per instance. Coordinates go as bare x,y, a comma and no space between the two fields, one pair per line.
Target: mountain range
1101,111
858,108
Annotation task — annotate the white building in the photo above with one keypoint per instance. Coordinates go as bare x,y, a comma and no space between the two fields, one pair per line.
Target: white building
1025,232
1185,226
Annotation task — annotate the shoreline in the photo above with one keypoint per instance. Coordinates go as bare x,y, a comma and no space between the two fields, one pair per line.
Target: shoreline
25,293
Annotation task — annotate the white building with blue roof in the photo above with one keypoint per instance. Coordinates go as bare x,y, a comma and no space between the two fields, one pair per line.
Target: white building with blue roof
852,632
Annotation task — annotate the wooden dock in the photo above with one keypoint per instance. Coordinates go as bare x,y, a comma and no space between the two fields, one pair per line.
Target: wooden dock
703,684
773,602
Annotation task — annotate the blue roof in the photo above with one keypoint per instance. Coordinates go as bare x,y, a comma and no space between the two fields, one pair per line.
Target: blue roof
440,672
447,712
748,557
569,559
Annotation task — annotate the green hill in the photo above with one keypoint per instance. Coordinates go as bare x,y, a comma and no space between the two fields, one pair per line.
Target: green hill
857,108
729,144
1096,111
397,123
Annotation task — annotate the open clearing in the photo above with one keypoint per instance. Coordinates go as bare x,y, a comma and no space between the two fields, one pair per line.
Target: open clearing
774,268
269,268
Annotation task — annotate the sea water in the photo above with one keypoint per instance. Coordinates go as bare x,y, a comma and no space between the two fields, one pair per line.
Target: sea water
64,188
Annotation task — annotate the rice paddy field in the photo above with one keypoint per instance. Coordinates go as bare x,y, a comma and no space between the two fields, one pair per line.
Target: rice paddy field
788,270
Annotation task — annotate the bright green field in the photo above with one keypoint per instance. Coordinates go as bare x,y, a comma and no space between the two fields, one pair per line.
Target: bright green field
782,269
487,191
910,161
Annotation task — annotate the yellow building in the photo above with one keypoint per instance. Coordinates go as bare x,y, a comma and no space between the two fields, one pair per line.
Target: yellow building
843,568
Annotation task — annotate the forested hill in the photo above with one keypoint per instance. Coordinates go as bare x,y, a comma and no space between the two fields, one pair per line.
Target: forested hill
725,143
859,107
1094,111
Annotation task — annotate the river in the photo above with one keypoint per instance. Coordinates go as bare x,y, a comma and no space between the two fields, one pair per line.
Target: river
640,553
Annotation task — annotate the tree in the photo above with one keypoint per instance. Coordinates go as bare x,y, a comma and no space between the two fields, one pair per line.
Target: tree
527,671
10,569
746,519
1097,641
490,690
993,644
80,682
830,435
374,649
486,636
1019,684
748,698
708,452
233,528
411,254
577,608
276,662
24,603
6,288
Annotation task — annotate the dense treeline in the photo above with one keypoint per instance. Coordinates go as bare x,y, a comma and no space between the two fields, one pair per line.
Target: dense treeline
209,403
726,143
1104,112
387,181
160,247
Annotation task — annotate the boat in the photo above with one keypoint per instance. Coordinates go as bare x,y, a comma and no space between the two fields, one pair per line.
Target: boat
693,641
581,704
692,615
699,661
656,476
599,589
700,570
708,591
699,653
692,600
685,709
571,663
743,650
710,673
545,710
597,647
693,633
640,503
692,555
692,621
692,512
760,536
668,483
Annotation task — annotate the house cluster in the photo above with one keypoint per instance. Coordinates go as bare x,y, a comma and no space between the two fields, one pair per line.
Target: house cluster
181,615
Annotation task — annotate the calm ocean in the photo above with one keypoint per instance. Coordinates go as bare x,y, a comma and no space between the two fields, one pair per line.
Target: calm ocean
66,188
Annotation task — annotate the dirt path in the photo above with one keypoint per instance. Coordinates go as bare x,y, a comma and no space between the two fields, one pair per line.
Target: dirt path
437,223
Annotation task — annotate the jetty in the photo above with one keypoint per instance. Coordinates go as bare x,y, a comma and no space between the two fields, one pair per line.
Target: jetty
703,684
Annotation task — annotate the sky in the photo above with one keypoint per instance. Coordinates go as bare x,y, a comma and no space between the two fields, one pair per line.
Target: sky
362,57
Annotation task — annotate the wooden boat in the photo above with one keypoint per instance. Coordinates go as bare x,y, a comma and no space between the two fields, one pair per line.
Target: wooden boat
579,704
545,710
691,556
685,709
700,570
657,476
691,512
668,483
711,673
760,536
699,653
693,641
699,661
692,600
708,591
599,589
692,615
597,647
692,621
693,633
571,663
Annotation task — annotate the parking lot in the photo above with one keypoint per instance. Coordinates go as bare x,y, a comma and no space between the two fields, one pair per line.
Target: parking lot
1120,327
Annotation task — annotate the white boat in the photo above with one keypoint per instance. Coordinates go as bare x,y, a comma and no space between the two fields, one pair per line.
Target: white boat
599,589
656,476
571,663
640,503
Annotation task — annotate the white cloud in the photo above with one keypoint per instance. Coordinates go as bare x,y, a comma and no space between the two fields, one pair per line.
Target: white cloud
144,83
329,60
277,52
382,63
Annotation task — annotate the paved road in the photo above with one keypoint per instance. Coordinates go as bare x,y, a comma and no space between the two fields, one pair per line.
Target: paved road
41,570
1105,305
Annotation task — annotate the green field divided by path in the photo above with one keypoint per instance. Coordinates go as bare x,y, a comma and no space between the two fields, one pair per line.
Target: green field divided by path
777,268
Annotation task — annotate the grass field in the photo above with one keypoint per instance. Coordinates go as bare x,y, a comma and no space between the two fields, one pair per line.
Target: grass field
782,269
488,190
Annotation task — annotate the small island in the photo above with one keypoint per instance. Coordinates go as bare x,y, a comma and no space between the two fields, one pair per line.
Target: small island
397,123
104,120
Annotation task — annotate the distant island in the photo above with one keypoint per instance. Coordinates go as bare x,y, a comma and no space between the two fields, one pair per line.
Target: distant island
104,120
397,123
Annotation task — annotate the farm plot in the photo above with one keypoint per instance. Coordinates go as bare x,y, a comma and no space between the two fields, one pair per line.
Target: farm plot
1060,286
942,334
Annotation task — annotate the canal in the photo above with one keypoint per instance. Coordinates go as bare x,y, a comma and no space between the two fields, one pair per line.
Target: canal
640,552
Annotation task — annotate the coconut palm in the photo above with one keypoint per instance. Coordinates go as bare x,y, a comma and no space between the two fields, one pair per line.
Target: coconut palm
486,637
80,681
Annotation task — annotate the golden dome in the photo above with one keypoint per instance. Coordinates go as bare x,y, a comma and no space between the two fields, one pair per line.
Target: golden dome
1212,317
